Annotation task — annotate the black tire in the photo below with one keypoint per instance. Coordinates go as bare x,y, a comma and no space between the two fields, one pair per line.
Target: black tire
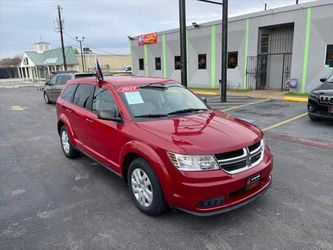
46,98
158,204
313,118
68,150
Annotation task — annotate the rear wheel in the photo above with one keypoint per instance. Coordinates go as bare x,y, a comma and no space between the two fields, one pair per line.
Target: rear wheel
145,188
66,144
46,98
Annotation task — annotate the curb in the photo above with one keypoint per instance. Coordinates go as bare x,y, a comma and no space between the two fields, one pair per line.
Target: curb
295,99
205,93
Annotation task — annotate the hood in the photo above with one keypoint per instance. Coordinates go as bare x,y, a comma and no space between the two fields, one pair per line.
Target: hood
204,133
325,88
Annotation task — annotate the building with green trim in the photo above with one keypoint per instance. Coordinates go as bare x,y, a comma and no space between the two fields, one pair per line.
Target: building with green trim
38,64
265,49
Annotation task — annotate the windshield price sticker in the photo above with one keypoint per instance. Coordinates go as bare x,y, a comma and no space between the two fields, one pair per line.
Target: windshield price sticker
133,97
128,89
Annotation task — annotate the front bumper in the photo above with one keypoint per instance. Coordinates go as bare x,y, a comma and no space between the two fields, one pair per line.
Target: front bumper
192,191
319,110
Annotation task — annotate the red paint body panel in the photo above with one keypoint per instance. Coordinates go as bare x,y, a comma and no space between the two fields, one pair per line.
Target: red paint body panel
211,132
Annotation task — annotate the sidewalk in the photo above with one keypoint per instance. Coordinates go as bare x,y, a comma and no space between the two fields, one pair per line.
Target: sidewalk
267,94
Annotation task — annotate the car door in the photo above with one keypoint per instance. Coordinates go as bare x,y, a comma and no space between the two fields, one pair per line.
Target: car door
60,83
49,88
105,137
80,113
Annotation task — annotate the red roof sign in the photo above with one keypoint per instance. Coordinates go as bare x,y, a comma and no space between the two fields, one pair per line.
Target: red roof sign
147,39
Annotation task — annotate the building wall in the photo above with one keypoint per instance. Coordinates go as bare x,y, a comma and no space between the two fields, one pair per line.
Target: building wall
110,62
313,30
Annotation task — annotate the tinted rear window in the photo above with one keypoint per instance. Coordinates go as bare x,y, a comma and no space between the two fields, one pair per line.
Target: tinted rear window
69,92
83,95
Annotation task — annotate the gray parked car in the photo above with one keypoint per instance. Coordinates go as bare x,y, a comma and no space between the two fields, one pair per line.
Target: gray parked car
54,86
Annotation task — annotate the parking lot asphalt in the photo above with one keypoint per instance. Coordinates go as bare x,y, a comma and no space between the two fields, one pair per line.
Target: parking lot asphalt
50,202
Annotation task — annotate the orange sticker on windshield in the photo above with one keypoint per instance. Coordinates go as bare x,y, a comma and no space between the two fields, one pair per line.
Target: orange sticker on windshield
128,89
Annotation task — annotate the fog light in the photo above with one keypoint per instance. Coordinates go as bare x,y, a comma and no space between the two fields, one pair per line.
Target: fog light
311,108
211,202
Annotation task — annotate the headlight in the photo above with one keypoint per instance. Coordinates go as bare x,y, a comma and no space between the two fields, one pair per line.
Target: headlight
193,162
313,96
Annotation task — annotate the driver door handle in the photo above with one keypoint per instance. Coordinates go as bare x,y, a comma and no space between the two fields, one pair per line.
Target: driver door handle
89,120
68,110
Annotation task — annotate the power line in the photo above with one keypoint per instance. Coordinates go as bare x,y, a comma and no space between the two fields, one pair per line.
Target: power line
93,47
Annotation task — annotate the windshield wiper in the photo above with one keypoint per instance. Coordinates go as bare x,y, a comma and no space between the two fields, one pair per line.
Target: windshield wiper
154,85
151,116
189,110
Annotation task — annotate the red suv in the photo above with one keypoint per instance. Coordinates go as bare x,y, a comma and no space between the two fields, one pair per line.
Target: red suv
169,146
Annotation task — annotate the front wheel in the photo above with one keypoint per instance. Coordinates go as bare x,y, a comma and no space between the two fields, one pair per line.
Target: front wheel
145,188
66,144
46,98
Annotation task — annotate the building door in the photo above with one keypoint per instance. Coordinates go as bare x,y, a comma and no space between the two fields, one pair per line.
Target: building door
270,69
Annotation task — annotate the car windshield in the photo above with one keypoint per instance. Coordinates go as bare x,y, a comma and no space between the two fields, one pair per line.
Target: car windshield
330,79
154,101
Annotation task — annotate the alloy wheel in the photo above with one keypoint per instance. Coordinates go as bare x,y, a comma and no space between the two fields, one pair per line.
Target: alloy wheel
142,187
65,142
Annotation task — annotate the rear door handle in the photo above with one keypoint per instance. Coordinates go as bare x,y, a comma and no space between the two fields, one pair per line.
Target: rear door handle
89,120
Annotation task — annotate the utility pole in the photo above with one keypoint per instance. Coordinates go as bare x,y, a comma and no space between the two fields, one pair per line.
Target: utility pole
224,47
265,6
81,41
182,32
224,50
296,1
62,38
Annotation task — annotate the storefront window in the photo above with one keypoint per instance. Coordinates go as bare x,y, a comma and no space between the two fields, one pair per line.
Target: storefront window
232,60
329,56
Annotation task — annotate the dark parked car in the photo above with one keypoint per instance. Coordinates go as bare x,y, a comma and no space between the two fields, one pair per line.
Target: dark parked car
54,86
320,102
170,147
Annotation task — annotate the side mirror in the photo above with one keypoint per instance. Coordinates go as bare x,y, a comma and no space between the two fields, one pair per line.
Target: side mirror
204,99
111,115
322,79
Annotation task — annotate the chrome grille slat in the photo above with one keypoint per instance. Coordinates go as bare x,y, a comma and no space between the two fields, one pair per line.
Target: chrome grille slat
232,162
234,158
243,162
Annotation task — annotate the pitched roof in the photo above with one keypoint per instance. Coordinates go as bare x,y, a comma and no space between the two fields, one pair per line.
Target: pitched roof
53,57
36,58
41,42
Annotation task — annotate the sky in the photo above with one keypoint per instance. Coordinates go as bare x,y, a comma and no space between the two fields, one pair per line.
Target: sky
105,24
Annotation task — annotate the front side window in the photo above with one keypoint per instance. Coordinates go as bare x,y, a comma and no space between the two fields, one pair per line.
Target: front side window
83,95
232,60
329,56
156,100
202,62
53,80
330,79
69,93
103,100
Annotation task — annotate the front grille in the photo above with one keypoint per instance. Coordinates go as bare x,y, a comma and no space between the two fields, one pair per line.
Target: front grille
240,160
324,99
